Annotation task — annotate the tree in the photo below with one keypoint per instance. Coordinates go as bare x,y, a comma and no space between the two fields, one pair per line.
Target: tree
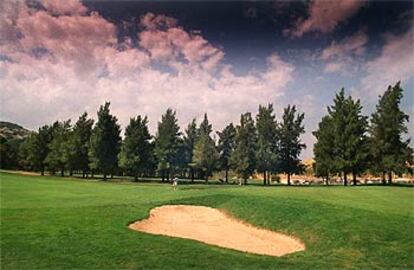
205,127
290,144
189,140
243,158
267,143
338,113
357,143
166,143
105,142
323,149
226,144
57,157
390,153
179,160
205,153
9,153
35,148
350,142
79,147
136,149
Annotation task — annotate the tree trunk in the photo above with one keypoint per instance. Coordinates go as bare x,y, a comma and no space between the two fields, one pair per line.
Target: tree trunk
327,180
227,175
206,178
135,177
354,180
345,179
288,179
83,173
62,172
245,181
104,176
389,178
192,174
264,178
70,173
42,173
383,178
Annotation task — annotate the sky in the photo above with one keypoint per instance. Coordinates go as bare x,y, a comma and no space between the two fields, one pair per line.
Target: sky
61,58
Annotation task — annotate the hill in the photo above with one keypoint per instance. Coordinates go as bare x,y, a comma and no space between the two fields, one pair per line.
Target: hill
12,131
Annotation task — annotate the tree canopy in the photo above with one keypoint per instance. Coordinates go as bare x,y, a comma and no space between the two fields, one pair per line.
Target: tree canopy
243,158
105,142
226,145
167,143
267,142
291,145
390,152
135,155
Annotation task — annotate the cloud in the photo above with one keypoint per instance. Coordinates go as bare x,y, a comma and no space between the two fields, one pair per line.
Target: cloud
151,21
394,63
334,67
165,41
76,39
354,45
324,16
67,7
345,55
65,60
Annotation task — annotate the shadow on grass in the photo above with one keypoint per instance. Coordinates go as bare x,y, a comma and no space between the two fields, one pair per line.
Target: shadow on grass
199,182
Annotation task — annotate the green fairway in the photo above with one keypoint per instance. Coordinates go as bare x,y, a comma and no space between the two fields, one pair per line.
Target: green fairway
62,223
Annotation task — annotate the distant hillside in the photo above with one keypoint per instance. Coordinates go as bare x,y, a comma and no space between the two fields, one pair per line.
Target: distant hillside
12,131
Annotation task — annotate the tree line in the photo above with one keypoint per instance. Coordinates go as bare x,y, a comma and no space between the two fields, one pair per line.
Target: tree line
261,145
348,143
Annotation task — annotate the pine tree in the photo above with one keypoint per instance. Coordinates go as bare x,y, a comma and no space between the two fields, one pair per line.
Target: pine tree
9,153
290,144
357,143
189,140
243,158
167,143
105,142
226,144
136,147
267,142
35,149
390,153
205,154
350,142
180,159
205,126
80,139
57,158
323,149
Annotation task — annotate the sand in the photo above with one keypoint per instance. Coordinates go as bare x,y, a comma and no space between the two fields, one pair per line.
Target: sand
211,226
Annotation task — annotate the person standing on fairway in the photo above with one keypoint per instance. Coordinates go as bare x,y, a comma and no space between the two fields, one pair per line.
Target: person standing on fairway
175,183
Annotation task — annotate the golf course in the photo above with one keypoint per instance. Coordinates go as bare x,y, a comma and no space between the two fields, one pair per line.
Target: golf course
68,223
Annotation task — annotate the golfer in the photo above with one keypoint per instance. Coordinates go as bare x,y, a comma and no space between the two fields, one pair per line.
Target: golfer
175,183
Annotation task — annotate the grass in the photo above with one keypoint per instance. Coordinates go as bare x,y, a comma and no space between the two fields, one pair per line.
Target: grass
49,222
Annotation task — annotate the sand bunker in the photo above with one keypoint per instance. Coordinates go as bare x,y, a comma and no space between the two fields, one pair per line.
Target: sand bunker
209,225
